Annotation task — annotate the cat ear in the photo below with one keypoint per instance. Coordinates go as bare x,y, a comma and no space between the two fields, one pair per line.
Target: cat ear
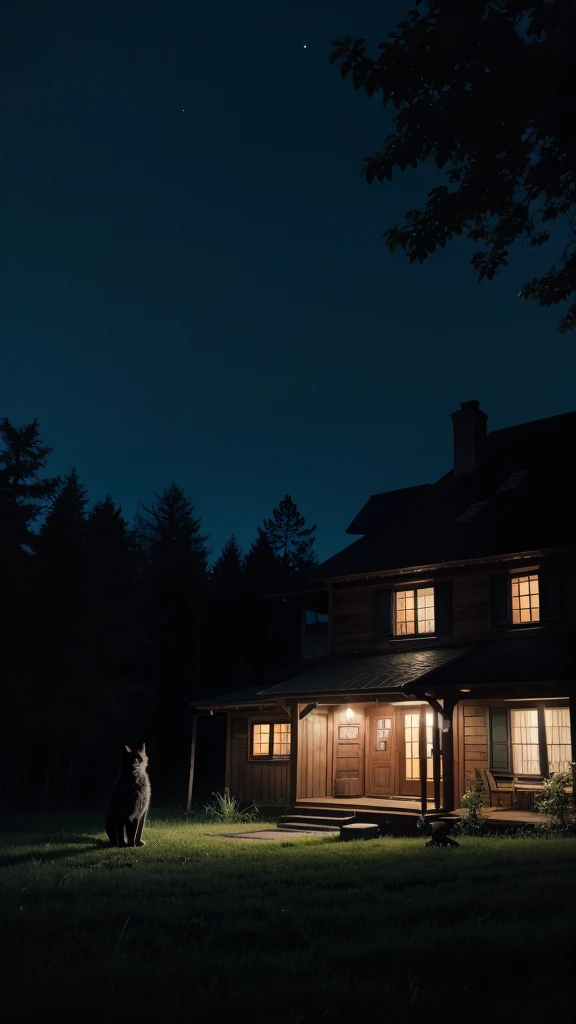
127,749
142,749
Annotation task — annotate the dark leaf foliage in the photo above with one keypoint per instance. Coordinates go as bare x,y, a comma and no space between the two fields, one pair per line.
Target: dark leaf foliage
485,89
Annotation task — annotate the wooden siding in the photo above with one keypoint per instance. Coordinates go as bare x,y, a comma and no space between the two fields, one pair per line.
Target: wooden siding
314,764
352,617
265,782
470,604
353,609
475,739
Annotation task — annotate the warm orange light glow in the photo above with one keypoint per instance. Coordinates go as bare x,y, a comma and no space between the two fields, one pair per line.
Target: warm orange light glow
525,599
349,715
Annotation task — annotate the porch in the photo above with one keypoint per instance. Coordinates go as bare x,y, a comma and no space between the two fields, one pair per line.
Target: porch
390,812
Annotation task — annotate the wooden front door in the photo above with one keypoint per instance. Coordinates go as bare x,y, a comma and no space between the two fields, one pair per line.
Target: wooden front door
408,747
380,751
349,753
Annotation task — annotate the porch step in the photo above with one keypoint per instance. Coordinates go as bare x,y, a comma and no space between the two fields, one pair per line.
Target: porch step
315,821
300,826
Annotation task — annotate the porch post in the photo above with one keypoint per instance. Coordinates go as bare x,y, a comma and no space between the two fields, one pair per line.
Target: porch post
572,706
423,759
192,760
448,755
294,729
436,760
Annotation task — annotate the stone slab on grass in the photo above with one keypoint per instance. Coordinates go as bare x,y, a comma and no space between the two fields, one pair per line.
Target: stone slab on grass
271,834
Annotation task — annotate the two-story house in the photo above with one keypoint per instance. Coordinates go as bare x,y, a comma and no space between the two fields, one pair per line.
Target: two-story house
450,639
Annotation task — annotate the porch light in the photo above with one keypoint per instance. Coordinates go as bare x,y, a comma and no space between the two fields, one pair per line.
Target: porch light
464,689
349,715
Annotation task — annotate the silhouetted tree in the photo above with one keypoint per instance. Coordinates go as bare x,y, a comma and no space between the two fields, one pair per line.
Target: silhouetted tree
24,494
290,538
174,560
228,570
486,89
63,532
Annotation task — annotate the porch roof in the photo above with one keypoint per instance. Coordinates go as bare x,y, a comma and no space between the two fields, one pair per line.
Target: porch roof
526,657
345,674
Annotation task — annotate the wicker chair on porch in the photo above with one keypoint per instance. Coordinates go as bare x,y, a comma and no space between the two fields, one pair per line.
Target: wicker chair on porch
500,792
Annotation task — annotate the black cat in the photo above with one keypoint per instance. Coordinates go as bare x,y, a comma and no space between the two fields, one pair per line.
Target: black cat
129,800
438,832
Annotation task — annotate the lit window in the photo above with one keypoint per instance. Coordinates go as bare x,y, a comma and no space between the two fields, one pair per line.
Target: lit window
271,739
261,740
525,745
281,746
414,611
525,599
540,740
557,725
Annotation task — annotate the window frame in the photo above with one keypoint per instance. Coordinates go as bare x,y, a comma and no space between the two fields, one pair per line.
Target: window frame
270,756
524,705
415,587
532,623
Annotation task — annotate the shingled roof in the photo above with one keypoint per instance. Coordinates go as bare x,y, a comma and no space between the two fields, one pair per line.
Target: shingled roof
393,672
526,657
521,498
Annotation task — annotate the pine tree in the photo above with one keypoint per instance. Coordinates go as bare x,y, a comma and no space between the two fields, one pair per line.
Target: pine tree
23,493
174,575
290,538
64,529
110,544
228,570
170,534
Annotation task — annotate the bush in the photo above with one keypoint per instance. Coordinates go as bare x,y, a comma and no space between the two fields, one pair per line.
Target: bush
226,809
474,823
556,802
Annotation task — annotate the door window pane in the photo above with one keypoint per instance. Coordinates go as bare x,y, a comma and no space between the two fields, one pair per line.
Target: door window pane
411,739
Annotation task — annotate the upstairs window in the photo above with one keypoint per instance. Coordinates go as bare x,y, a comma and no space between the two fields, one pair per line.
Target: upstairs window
525,599
414,611
270,740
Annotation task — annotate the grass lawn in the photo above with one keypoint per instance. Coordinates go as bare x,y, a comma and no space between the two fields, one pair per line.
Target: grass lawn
195,927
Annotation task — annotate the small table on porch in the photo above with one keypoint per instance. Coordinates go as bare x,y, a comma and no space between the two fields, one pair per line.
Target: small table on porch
525,794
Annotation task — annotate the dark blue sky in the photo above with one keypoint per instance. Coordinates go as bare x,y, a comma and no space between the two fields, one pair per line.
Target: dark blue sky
193,281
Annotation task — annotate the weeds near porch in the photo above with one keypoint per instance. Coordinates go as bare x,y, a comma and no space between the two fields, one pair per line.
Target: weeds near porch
226,809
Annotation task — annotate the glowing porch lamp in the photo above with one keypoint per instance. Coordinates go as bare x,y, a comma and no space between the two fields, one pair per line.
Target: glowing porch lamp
349,715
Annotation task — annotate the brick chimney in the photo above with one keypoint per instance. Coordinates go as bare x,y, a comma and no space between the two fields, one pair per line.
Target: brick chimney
469,437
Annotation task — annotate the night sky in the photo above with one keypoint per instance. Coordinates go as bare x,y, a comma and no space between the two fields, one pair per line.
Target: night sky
194,285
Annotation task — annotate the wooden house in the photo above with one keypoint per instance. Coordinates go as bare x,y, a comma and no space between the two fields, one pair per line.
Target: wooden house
447,653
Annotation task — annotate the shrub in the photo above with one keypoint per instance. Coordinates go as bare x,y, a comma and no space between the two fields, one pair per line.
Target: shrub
226,809
474,823
556,802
